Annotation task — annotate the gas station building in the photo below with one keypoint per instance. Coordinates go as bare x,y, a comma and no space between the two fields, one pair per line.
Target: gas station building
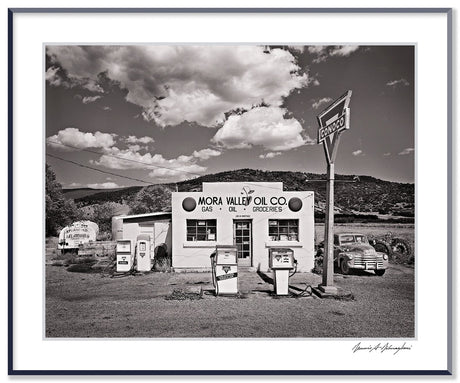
254,216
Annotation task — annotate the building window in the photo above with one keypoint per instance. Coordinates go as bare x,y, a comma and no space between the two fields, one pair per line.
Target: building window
201,230
283,229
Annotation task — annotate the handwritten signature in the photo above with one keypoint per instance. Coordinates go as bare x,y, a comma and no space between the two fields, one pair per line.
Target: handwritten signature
382,347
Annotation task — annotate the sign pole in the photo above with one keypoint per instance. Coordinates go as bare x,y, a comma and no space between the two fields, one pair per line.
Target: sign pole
328,262
332,122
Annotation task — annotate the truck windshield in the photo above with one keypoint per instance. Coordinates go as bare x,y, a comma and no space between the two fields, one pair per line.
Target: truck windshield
347,239
361,239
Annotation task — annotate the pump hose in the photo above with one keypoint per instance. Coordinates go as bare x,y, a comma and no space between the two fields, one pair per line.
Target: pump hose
306,292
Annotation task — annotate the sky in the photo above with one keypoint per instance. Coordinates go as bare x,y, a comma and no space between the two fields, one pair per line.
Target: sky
120,116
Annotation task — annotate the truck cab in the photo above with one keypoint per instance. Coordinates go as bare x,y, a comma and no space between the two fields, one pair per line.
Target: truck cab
353,251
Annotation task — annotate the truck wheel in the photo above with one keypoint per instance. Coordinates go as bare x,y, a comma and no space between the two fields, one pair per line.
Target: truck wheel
383,247
344,267
401,246
379,272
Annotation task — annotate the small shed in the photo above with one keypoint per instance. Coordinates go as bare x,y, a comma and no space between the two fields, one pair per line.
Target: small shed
156,225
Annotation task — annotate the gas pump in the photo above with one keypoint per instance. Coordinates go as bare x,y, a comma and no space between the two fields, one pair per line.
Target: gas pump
124,255
143,253
224,264
281,262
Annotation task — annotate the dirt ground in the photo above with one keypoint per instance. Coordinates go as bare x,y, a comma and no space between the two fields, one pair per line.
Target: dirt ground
92,305
151,306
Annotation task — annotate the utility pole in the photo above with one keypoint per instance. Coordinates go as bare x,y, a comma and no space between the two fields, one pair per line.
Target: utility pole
332,122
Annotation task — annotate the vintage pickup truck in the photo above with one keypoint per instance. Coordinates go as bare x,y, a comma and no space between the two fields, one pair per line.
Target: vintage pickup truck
353,251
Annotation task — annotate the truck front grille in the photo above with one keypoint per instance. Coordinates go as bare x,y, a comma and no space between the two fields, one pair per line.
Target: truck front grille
370,261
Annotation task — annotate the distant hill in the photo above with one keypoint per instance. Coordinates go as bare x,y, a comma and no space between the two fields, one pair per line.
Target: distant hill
90,196
353,194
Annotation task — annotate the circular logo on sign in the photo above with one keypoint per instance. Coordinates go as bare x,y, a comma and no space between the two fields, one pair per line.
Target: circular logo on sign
189,204
295,204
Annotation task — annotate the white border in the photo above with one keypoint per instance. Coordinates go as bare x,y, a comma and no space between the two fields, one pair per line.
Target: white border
428,31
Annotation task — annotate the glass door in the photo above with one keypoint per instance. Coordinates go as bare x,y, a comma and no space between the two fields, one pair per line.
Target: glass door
242,238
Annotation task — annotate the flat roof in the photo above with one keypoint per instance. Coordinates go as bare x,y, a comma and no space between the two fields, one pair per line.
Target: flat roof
143,215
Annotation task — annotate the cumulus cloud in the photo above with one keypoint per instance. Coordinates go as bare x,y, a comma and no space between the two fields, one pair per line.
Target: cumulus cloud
358,152
104,185
343,50
322,101
263,126
406,151
387,154
205,154
179,173
270,155
323,52
71,139
56,76
297,48
89,99
107,108
400,82
187,83
138,140
162,169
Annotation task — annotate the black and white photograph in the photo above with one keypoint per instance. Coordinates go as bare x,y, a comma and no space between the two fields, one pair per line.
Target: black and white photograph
230,191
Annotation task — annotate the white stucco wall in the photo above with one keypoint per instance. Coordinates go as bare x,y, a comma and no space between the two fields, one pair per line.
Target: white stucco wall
227,202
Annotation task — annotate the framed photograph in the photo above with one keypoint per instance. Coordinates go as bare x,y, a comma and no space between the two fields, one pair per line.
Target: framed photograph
187,184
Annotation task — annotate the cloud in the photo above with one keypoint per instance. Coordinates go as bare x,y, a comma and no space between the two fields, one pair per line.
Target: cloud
56,76
205,154
104,185
261,126
71,139
107,108
162,169
322,101
323,52
198,84
400,82
406,151
297,48
358,152
387,154
138,140
179,173
343,50
270,155
89,99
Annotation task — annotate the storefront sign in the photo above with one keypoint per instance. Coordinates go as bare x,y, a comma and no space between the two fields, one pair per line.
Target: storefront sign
255,204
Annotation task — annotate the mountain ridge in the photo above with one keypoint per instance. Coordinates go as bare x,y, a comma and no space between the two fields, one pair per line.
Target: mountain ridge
353,193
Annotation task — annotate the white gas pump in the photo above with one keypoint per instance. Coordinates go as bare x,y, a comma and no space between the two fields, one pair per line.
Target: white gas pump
125,256
281,262
143,253
224,263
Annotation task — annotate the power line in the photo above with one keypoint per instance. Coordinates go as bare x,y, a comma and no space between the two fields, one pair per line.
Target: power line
139,162
122,158
98,170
